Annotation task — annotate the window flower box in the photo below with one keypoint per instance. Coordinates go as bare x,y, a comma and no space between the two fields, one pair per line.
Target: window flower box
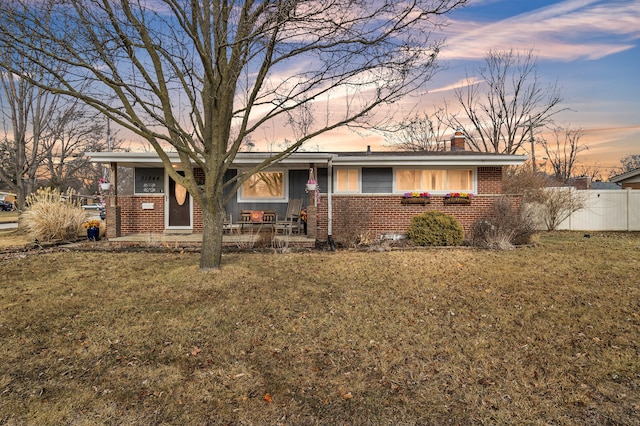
420,198
458,198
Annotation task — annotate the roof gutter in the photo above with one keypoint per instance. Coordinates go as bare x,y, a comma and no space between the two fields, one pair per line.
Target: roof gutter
457,160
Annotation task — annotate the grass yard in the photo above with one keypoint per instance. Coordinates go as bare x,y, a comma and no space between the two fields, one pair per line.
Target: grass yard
547,334
8,217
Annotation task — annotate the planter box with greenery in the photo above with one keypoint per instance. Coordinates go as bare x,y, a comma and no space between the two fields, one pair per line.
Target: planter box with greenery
458,198
420,198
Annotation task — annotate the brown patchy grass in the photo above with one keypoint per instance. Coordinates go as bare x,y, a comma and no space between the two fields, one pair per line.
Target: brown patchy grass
8,217
539,335
13,238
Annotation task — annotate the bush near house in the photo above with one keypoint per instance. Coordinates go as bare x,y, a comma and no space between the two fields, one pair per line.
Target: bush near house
434,228
51,215
504,227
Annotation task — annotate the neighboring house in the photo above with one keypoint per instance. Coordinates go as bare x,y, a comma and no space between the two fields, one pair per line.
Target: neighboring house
628,180
599,185
359,191
585,183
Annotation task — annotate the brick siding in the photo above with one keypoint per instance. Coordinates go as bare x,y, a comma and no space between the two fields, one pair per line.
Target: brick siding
381,215
377,214
134,220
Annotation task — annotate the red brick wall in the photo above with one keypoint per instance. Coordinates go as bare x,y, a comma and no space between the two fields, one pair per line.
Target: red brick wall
133,219
489,180
378,214
385,214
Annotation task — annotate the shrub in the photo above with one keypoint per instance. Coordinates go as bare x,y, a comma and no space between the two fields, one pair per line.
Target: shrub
504,227
435,228
559,204
51,215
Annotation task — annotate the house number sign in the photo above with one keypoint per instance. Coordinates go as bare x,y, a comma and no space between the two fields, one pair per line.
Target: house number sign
149,181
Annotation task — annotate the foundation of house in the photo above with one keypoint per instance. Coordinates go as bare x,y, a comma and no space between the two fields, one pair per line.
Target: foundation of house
234,240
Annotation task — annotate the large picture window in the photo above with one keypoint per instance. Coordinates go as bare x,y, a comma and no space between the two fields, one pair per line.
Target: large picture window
434,180
347,180
264,186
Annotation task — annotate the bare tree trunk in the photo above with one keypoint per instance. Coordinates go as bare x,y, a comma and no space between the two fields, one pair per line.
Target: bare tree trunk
212,221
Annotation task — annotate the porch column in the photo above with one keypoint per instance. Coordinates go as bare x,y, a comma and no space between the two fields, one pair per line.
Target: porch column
312,221
114,212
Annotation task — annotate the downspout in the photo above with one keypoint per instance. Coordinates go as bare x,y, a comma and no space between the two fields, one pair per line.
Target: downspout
332,245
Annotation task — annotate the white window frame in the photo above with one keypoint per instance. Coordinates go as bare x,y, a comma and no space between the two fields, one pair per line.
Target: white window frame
474,180
284,199
347,169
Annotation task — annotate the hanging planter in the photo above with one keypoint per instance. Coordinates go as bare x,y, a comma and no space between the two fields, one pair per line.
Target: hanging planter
104,184
312,186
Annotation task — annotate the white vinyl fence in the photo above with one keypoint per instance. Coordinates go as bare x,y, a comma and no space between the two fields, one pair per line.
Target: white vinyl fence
605,210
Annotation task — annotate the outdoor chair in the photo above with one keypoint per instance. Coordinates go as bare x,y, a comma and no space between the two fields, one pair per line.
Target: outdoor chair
228,226
291,221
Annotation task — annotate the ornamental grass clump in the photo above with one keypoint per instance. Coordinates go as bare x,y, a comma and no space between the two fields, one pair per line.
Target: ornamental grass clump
52,215
435,228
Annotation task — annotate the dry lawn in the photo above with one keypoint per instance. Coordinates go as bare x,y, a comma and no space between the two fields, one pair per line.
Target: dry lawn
8,217
11,239
539,335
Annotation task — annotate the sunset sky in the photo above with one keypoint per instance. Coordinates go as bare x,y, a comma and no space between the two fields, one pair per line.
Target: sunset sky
591,47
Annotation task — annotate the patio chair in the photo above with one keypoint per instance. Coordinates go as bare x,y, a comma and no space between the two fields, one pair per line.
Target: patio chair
291,221
228,226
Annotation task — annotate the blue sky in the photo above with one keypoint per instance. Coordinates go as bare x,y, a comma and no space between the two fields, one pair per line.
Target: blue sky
591,47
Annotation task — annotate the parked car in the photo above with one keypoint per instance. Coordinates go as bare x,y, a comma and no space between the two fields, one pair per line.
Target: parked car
94,206
6,206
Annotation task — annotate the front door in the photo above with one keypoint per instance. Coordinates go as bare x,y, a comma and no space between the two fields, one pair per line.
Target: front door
178,206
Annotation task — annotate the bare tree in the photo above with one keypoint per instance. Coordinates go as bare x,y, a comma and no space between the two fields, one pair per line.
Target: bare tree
199,77
74,131
628,163
542,196
421,132
504,103
563,151
592,171
27,112
560,203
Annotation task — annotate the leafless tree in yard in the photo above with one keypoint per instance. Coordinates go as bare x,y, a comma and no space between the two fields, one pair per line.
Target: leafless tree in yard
73,132
563,151
27,113
628,163
421,132
503,103
199,78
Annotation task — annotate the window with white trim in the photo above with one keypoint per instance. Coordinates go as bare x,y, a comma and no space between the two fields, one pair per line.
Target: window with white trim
434,180
347,180
264,186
